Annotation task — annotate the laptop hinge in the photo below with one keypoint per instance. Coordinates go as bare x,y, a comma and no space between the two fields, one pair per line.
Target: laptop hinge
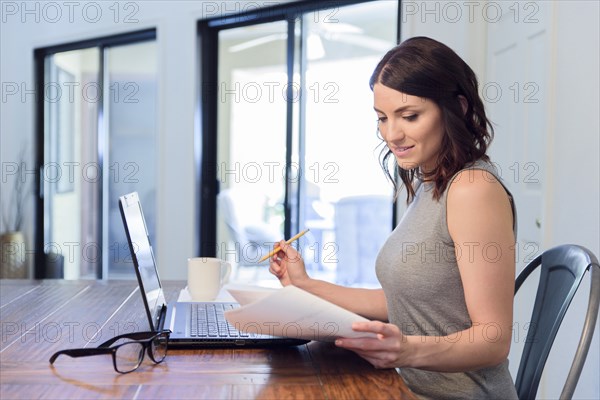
161,318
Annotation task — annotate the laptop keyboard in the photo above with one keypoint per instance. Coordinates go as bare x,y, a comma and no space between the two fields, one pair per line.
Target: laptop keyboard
208,320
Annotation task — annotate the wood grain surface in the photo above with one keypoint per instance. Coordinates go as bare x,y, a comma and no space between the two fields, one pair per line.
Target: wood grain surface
39,318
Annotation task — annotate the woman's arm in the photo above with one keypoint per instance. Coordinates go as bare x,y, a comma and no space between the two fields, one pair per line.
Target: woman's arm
480,223
289,267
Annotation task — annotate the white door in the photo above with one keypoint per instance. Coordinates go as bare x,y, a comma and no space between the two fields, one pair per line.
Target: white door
516,92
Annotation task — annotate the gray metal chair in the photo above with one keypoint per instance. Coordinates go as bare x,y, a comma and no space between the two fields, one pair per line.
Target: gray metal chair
562,270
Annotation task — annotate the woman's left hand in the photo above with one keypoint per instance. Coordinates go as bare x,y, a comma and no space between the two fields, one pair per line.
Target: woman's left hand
387,350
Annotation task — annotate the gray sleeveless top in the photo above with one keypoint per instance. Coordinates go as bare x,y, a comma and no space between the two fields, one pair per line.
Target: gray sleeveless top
418,272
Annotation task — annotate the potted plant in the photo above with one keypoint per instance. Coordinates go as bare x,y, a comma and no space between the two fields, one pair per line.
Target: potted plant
12,240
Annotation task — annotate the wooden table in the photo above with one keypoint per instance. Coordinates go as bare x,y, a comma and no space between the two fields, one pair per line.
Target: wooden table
41,317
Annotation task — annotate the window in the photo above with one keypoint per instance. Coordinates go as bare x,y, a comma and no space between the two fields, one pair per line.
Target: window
294,144
97,141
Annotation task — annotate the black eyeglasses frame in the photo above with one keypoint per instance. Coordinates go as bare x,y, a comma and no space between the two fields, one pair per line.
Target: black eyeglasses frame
143,338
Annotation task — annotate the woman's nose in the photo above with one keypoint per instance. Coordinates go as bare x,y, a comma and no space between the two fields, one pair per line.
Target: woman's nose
395,132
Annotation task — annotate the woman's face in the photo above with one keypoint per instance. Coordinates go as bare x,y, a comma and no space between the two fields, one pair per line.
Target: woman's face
411,126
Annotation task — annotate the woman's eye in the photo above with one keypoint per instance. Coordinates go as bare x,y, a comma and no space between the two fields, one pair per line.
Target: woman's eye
410,117
381,119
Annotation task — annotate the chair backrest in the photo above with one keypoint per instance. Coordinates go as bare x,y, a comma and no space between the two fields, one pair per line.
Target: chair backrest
252,237
226,204
562,270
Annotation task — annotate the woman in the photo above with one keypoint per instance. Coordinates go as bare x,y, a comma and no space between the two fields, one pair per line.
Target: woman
444,313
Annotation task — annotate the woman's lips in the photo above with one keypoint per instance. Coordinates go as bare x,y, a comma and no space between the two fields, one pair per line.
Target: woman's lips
402,151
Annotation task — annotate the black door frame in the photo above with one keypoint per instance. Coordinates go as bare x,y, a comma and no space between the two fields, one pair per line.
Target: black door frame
40,55
205,135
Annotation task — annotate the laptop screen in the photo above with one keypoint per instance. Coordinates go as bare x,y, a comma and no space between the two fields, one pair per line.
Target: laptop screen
142,256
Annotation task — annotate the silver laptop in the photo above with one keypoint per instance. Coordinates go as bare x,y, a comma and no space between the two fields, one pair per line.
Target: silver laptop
193,324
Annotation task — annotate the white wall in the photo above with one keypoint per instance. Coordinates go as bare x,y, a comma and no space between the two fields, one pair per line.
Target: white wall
571,196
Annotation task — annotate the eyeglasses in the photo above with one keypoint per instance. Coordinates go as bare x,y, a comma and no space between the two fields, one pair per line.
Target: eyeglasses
127,350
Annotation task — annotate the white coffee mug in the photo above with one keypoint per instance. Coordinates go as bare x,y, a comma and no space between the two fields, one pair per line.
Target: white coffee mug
206,277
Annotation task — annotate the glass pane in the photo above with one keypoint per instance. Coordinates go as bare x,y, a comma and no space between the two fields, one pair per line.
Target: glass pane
71,172
251,141
348,202
130,162
129,355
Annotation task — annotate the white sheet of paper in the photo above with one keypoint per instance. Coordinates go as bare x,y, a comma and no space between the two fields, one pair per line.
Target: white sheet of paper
291,312
246,294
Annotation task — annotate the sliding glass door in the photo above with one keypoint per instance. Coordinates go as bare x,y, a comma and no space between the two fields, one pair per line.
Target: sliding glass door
131,149
97,142
346,200
251,140
70,172
295,136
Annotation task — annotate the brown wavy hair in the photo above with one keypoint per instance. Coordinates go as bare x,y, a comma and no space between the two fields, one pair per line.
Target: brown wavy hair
426,68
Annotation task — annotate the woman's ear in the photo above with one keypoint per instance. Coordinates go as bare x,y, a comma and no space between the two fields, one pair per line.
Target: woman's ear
464,104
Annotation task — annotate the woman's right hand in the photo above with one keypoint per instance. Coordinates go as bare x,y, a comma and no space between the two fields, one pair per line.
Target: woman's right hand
287,265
